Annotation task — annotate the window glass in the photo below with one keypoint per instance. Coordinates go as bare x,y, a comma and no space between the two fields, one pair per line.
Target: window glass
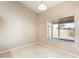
49,30
62,30
55,31
66,31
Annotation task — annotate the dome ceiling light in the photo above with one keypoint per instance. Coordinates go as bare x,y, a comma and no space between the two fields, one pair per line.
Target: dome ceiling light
42,7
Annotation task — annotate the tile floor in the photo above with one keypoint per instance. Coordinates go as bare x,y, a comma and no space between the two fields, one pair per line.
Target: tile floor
36,51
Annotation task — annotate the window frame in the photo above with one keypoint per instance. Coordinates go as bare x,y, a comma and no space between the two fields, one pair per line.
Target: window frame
59,31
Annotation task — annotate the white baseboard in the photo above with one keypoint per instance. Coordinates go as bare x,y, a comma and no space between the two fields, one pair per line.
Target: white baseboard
31,44
28,45
61,50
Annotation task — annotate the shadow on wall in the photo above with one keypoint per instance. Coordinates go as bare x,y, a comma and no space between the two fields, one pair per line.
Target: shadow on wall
3,54
2,32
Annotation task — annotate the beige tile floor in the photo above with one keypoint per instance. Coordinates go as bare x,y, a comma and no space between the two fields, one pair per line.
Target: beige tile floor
36,51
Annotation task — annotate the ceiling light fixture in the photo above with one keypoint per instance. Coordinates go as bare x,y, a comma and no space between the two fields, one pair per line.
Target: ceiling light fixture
42,7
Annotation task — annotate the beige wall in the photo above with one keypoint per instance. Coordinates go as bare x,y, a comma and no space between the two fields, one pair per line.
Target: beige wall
19,25
63,10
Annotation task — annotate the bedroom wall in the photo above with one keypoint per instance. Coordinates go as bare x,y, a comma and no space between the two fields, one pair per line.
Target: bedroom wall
19,25
63,10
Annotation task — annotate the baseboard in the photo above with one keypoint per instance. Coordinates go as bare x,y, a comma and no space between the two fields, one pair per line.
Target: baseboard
61,50
27,45
31,44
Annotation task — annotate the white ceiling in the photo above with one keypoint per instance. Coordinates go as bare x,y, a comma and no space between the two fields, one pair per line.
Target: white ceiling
34,4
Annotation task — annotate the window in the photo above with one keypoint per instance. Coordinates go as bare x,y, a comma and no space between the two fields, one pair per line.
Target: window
49,30
55,31
62,30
